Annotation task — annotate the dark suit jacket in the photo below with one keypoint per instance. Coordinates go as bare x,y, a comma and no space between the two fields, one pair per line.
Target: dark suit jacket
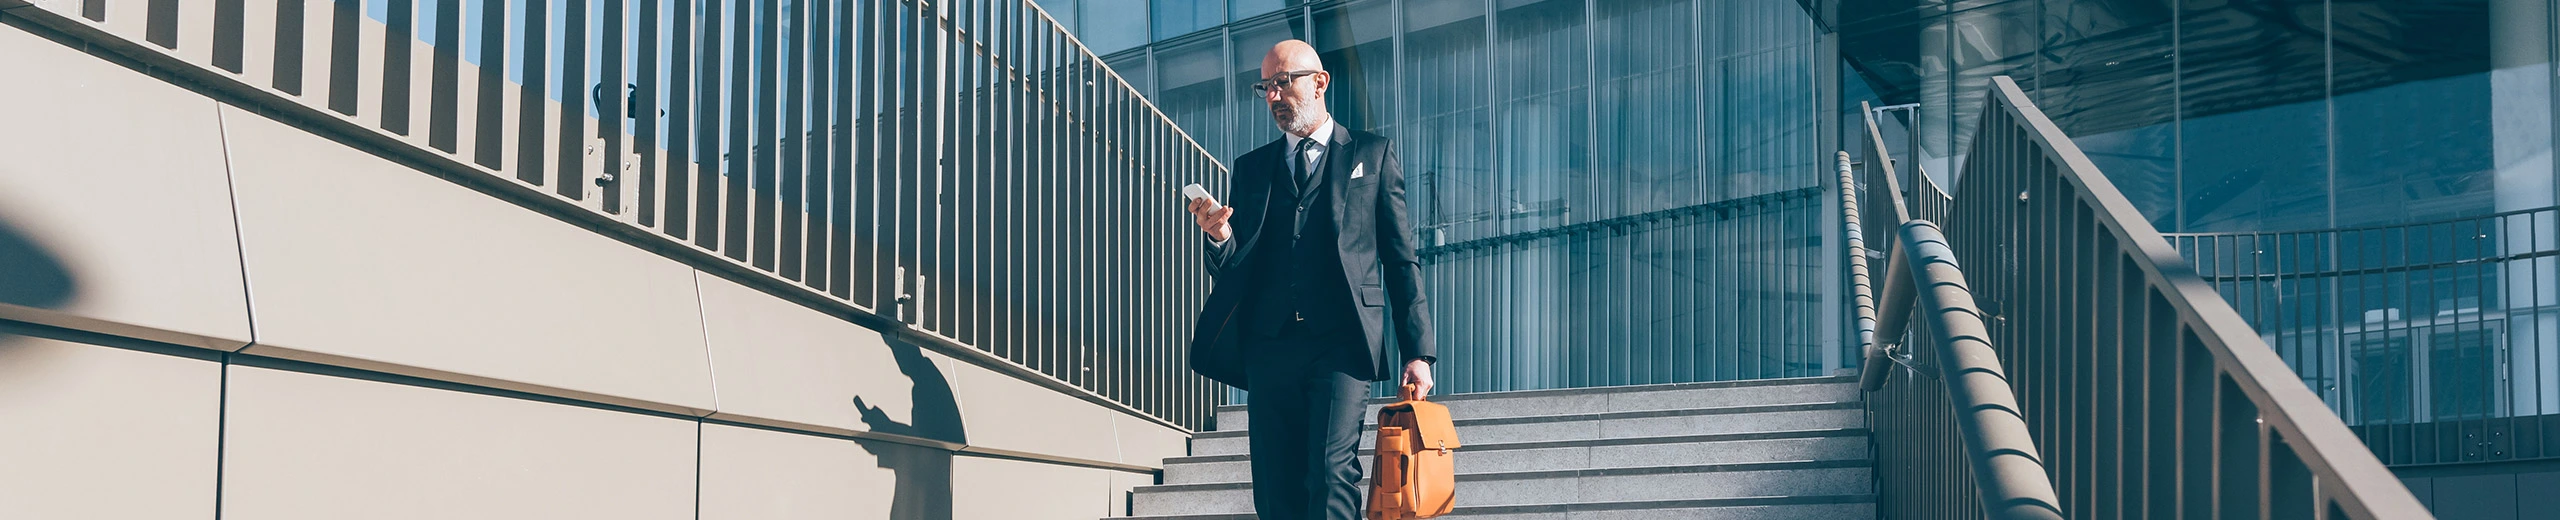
1374,236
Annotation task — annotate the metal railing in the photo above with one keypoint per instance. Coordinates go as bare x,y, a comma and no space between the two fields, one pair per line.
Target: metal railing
2145,393
1956,446
2434,341
961,173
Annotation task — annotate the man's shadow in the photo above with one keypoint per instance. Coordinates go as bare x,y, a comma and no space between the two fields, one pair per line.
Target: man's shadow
923,490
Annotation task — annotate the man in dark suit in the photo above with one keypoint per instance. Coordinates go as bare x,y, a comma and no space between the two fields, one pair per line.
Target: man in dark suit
1310,262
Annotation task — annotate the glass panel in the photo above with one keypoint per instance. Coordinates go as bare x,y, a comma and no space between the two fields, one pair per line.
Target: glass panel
1994,40
1109,26
1133,67
2381,379
1545,78
1194,90
1242,9
1356,46
2110,82
2470,83
2255,129
1648,134
1180,17
1064,11
1764,88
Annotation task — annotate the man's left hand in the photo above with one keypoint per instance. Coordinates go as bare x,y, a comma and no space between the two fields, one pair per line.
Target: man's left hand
1418,373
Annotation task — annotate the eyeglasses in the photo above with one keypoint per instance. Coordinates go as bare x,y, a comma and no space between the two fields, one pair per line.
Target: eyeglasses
1265,86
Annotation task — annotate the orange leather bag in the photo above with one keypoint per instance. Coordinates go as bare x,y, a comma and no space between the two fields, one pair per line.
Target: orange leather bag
1415,472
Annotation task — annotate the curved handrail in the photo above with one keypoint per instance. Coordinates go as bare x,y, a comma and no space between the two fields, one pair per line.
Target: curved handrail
2001,455
2007,471
1862,300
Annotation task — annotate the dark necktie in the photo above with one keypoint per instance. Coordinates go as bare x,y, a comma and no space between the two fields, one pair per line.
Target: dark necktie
1306,167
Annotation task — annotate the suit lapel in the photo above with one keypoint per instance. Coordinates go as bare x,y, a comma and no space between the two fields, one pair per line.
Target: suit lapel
1337,163
1253,207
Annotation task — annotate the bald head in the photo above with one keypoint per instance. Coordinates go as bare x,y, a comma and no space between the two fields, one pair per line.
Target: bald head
1290,55
1297,104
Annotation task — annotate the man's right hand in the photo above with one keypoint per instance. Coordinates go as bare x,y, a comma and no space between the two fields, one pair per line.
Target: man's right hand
1211,221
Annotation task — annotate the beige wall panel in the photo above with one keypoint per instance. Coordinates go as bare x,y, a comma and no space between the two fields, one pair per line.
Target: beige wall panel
777,362
359,261
63,8
102,432
1011,414
1010,489
750,474
115,215
305,446
1145,443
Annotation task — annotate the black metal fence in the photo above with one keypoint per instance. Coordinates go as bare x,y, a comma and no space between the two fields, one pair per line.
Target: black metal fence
963,172
2436,341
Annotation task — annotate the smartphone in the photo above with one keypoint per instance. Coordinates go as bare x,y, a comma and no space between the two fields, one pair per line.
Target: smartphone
1194,191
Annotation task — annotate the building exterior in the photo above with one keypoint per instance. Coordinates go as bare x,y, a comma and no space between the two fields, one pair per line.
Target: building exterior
911,259
2368,182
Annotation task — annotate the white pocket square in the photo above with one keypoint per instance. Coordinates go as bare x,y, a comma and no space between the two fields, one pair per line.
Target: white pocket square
1355,171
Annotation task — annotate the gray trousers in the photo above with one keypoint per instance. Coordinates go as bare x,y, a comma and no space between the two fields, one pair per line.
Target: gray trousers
1306,406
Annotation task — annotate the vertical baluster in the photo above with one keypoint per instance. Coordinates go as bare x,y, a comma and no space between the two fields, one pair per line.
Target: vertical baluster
647,91
611,96
685,169
570,174
738,157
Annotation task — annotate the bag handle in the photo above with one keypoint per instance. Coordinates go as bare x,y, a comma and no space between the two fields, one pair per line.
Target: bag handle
1411,392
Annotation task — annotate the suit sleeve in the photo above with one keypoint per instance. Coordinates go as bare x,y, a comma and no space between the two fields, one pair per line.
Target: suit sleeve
1411,311
1219,254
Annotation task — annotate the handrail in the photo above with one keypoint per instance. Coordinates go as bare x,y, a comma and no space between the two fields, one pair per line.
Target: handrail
1998,452
2148,394
2143,390
1862,300
2007,470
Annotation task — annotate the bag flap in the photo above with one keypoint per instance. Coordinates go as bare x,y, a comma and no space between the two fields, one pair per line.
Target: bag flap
1431,421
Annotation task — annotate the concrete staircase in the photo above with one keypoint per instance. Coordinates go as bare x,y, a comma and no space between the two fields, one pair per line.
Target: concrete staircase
1765,449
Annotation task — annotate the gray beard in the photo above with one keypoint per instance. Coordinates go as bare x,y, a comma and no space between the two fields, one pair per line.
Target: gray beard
1301,123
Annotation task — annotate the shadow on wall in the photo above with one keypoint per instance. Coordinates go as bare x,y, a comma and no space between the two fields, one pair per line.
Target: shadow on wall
29,276
923,474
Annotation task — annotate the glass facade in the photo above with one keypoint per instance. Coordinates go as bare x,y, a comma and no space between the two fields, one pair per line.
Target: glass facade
2241,115
1611,192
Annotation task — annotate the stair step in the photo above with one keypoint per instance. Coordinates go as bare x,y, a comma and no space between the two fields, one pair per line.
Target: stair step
1803,507
1607,425
1546,488
1676,396
1730,448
